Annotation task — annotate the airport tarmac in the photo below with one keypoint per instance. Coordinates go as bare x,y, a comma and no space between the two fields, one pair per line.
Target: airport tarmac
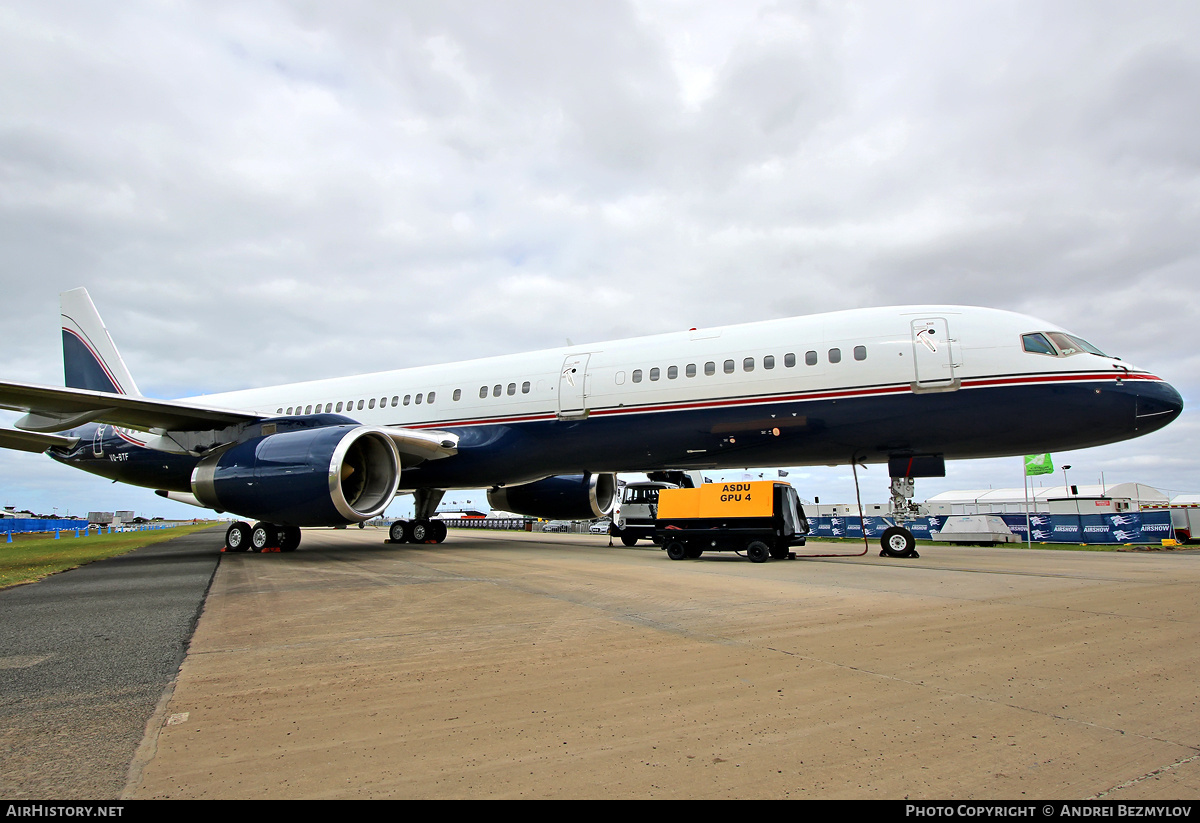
520,665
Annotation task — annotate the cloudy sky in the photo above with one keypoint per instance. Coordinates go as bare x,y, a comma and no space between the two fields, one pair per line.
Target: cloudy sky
266,192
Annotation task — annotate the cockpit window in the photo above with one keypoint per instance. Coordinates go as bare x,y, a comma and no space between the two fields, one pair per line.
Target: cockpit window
1068,344
1037,344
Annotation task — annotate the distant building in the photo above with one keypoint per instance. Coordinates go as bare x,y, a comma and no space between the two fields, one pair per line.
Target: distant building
1056,499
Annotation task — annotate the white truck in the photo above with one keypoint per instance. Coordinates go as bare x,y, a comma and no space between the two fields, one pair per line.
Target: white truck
637,507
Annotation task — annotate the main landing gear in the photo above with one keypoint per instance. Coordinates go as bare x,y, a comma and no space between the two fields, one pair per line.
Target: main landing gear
261,537
422,528
417,531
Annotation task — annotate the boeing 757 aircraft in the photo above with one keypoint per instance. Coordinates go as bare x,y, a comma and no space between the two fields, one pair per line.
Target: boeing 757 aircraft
547,431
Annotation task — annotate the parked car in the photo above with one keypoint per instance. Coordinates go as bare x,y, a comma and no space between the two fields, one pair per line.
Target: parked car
555,527
600,527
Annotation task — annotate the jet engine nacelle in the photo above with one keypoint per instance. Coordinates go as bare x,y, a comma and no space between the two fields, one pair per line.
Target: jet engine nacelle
328,476
562,497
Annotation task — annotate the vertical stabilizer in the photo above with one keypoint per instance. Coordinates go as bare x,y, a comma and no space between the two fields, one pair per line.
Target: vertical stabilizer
90,358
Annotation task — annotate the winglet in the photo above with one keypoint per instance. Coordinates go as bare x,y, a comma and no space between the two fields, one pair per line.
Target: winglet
90,358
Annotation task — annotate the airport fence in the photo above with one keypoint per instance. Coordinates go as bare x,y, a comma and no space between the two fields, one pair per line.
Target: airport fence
24,525
1127,527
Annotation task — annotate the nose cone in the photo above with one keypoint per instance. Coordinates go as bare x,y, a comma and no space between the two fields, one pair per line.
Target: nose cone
1158,403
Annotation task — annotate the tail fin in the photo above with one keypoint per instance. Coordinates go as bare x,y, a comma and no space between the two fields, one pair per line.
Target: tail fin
90,358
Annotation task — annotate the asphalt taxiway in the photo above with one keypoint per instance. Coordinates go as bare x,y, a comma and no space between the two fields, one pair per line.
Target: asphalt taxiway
86,657
516,665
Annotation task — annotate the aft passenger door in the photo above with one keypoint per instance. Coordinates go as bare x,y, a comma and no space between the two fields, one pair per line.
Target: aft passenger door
935,357
572,387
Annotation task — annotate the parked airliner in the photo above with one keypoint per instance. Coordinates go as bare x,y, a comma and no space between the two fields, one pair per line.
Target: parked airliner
547,431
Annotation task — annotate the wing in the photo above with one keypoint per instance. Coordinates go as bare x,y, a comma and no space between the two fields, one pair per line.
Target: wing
32,442
52,409
181,427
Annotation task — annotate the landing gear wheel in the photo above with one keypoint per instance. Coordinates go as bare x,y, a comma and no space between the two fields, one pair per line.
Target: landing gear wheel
629,540
421,531
758,551
262,537
439,531
398,532
676,550
237,537
898,542
289,538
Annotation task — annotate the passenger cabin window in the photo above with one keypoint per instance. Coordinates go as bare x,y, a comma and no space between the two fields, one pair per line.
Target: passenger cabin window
769,361
339,406
789,360
525,387
371,405
729,367
512,389
690,371
457,395
482,392
418,399
637,375
810,358
860,352
672,372
835,355
308,409
407,399
429,397
748,364
496,389
710,368
360,404
654,374
395,400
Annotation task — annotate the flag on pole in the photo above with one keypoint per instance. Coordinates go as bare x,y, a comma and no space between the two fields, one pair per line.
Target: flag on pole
1038,464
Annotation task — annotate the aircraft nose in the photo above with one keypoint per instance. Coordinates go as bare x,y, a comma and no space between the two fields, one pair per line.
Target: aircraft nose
1158,403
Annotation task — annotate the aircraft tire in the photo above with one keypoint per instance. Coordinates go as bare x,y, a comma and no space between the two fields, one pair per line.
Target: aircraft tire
898,541
263,536
398,531
676,550
237,537
421,531
629,540
758,551
439,531
289,538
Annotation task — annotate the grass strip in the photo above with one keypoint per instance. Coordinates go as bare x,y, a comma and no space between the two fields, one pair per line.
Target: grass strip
30,558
